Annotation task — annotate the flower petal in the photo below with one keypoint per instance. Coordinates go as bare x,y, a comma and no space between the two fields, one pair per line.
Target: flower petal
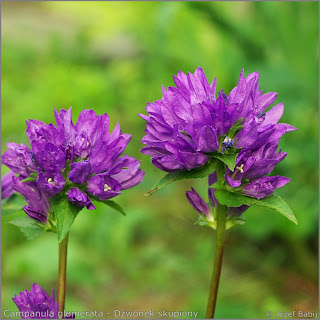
197,202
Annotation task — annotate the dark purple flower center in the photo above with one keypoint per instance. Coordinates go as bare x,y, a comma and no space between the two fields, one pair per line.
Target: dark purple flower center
261,114
226,143
33,158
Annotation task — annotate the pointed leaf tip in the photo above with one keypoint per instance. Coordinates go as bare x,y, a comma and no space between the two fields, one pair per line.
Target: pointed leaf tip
273,201
228,159
114,205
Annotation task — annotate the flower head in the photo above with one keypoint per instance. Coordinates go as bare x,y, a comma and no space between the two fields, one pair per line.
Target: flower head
189,126
36,304
83,160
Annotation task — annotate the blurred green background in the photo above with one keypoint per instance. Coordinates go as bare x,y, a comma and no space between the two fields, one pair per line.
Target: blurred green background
114,57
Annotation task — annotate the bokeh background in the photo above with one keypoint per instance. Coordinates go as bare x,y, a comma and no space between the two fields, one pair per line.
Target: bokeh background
113,57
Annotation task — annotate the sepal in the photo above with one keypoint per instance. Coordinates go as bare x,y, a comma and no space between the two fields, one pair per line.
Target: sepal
234,222
203,221
235,129
33,177
229,159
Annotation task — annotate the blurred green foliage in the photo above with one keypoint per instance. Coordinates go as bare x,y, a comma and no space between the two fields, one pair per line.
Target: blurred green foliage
114,57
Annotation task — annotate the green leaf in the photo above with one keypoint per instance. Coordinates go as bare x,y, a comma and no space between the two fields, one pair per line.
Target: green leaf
12,216
15,203
65,213
201,172
29,179
109,203
169,178
112,204
232,199
228,159
275,202
28,227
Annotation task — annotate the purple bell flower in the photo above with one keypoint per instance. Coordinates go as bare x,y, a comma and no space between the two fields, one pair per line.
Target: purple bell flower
36,304
49,157
6,185
37,131
67,131
254,163
80,199
80,171
19,159
260,158
51,183
263,187
39,205
127,172
103,186
198,203
35,213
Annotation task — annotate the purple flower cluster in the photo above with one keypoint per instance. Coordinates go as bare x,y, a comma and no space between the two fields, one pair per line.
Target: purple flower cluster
253,166
189,125
83,160
36,304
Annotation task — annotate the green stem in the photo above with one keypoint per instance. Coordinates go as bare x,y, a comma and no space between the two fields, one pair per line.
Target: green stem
63,247
221,230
